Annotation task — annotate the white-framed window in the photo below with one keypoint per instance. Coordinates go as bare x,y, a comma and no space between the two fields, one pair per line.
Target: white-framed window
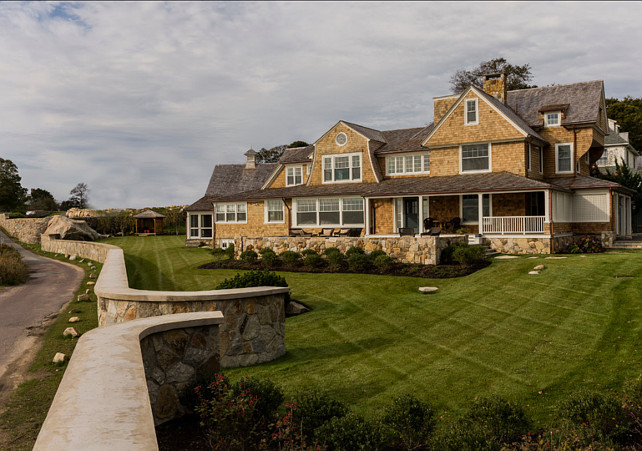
293,175
541,160
231,212
475,158
603,160
274,211
470,208
528,156
328,212
564,158
226,242
341,139
553,119
471,116
342,168
200,225
408,164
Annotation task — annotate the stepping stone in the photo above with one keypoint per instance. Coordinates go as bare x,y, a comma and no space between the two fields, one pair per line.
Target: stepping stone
70,332
87,291
428,290
74,319
91,282
532,257
83,297
555,258
92,276
506,257
533,272
59,358
539,267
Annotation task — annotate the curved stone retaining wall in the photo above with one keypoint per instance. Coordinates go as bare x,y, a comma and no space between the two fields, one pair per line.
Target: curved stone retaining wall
253,330
27,230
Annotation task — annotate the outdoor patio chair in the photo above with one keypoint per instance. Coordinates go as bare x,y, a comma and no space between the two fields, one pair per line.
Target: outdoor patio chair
454,224
326,232
435,231
429,223
406,231
343,232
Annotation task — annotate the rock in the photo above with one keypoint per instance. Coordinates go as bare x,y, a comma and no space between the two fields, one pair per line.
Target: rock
74,319
70,229
505,257
70,332
90,264
428,290
91,283
532,257
59,358
92,276
72,258
83,297
533,272
294,308
555,258
87,291
81,260
539,267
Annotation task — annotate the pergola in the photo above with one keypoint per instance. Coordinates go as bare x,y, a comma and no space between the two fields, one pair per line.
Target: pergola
149,223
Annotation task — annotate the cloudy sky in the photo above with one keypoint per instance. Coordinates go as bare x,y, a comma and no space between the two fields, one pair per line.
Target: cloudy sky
141,100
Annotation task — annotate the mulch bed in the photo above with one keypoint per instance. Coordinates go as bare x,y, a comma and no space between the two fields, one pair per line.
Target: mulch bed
397,269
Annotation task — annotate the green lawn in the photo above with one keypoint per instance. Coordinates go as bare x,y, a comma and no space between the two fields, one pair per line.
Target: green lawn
529,338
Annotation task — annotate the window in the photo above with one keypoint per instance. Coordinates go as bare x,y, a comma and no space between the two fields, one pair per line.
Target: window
577,166
342,168
604,159
541,160
200,225
470,207
471,112
552,119
408,164
528,156
329,212
563,158
274,211
225,243
231,213
294,176
475,157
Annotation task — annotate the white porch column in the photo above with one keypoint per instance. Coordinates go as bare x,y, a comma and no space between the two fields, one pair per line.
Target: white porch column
367,207
480,212
421,214
547,206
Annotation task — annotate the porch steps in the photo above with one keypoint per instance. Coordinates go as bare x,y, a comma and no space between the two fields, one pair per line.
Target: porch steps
626,244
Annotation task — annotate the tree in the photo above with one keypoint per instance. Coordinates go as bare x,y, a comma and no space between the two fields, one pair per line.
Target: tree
272,155
41,199
79,196
12,194
517,77
175,218
628,113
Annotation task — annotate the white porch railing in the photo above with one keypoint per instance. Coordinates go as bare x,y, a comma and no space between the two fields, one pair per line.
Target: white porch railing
506,225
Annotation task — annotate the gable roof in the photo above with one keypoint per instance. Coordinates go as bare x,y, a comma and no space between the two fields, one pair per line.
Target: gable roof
583,101
297,155
584,182
369,133
404,140
515,120
149,214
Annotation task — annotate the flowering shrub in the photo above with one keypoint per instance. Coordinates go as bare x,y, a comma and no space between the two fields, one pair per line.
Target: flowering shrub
585,245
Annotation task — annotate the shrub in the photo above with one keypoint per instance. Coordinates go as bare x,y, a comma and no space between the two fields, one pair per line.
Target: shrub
291,257
358,262
13,270
220,254
464,435
374,254
384,262
229,251
258,278
315,408
446,256
313,260
409,421
269,396
351,432
468,255
335,259
597,414
590,245
307,252
331,250
355,250
504,421
249,256
269,257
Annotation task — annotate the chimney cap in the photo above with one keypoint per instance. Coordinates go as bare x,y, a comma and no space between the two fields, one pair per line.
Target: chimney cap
492,76
250,152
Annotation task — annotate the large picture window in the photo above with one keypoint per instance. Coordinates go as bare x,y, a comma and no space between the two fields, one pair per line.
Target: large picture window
475,157
408,164
200,225
341,168
564,158
231,212
329,212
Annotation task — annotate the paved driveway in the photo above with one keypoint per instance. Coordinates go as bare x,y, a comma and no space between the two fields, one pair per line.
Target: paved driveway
24,308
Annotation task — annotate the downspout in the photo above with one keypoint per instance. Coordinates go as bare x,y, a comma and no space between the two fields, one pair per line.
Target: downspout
289,223
213,224
550,219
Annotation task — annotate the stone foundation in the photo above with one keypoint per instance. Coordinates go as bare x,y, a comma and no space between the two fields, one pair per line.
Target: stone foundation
425,250
506,245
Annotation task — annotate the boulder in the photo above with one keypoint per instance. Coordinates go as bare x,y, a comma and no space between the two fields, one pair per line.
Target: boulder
59,358
70,229
428,290
70,332
294,308
74,319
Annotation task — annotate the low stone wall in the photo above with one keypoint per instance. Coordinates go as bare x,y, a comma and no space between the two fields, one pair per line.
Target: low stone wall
27,230
254,327
425,250
519,245
103,402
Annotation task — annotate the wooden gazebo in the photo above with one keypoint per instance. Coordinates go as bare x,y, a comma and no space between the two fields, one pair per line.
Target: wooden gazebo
149,223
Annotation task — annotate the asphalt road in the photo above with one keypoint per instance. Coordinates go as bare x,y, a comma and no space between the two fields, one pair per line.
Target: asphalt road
24,309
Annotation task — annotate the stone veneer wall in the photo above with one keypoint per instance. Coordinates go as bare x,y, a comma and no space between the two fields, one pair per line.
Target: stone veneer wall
425,250
253,330
518,245
27,230
173,362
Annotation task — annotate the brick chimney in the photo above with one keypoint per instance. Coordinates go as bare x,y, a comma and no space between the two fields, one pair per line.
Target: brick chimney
250,162
495,85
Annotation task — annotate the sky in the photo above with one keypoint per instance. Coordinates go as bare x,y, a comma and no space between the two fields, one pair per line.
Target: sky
140,100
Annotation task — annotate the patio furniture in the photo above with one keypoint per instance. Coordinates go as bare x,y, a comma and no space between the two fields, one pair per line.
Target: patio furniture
454,224
429,223
343,232
326,232
406,231
435,231
299,233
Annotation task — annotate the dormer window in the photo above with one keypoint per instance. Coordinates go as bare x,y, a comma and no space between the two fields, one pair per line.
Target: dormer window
471,112
553,119
294,176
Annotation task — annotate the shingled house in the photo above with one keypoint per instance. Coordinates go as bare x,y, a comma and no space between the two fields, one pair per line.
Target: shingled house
511,166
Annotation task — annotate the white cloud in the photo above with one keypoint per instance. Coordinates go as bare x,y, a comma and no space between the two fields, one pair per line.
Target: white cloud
141,100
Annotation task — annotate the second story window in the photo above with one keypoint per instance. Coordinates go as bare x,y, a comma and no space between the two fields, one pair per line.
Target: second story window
475,158
294,176
564,158
471,112
342,168
552,119
408,164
